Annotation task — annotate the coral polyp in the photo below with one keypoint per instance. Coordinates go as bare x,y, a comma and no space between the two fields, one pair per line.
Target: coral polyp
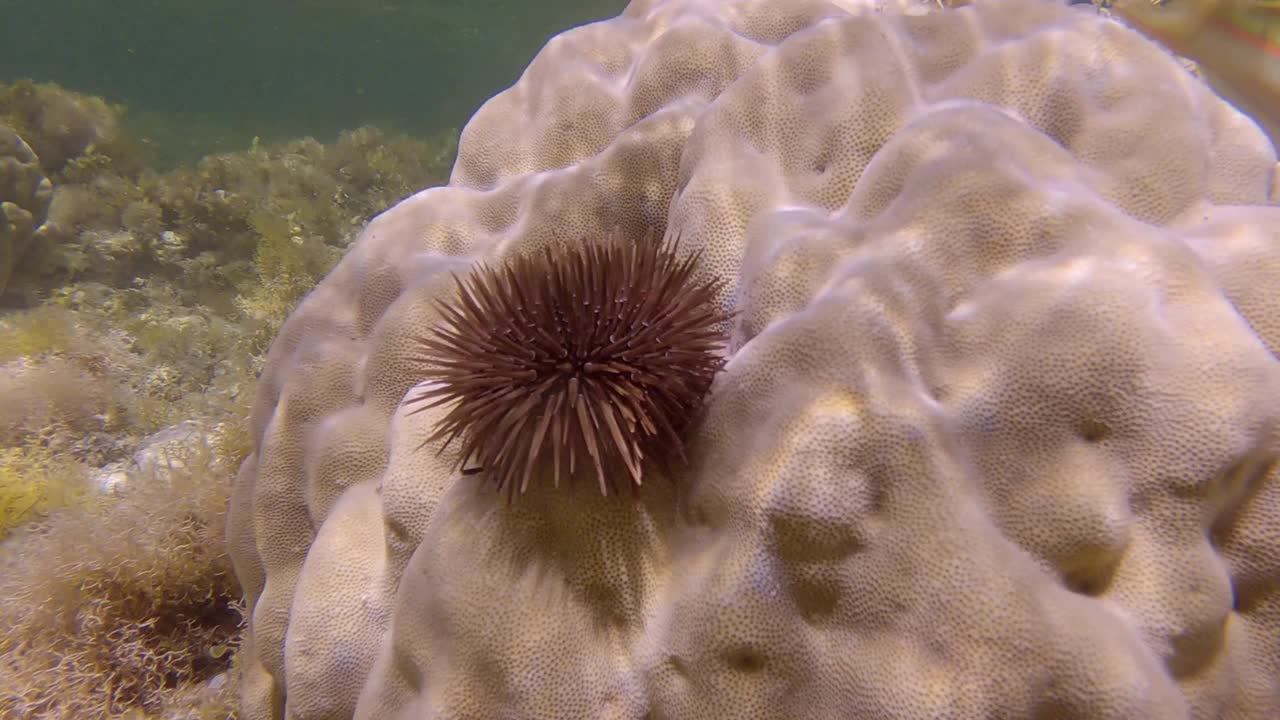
593,356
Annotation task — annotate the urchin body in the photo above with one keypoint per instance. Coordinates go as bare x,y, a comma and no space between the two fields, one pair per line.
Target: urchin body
597,355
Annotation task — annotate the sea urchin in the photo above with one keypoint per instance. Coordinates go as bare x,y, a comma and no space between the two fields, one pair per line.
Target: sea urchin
596,352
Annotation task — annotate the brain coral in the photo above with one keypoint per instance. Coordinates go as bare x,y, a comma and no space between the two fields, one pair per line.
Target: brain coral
996,435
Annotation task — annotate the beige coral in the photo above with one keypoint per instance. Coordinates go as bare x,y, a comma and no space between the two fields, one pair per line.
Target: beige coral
997,436
25,194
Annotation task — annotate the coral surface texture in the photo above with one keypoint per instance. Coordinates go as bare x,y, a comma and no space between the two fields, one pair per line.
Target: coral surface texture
25,194
995,436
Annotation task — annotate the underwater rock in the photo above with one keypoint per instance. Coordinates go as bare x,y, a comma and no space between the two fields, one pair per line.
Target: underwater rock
165,451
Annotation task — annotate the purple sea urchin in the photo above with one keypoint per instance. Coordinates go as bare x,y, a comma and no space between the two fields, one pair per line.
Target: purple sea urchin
599,352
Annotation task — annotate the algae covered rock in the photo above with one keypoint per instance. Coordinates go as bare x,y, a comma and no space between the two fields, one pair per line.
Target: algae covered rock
25,194
62,125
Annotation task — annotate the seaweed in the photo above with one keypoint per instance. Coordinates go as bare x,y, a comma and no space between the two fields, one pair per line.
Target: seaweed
126,605
147,306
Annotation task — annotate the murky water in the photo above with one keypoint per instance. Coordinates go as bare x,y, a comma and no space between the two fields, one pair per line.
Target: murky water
209,76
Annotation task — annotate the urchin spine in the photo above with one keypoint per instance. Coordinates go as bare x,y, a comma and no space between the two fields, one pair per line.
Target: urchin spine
603,349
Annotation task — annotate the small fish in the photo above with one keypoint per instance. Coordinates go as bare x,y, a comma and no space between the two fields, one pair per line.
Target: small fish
1235,43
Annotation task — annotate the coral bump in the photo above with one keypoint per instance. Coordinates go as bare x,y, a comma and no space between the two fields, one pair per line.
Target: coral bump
598,353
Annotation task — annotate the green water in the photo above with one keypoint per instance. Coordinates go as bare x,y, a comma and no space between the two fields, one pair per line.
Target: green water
208,76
